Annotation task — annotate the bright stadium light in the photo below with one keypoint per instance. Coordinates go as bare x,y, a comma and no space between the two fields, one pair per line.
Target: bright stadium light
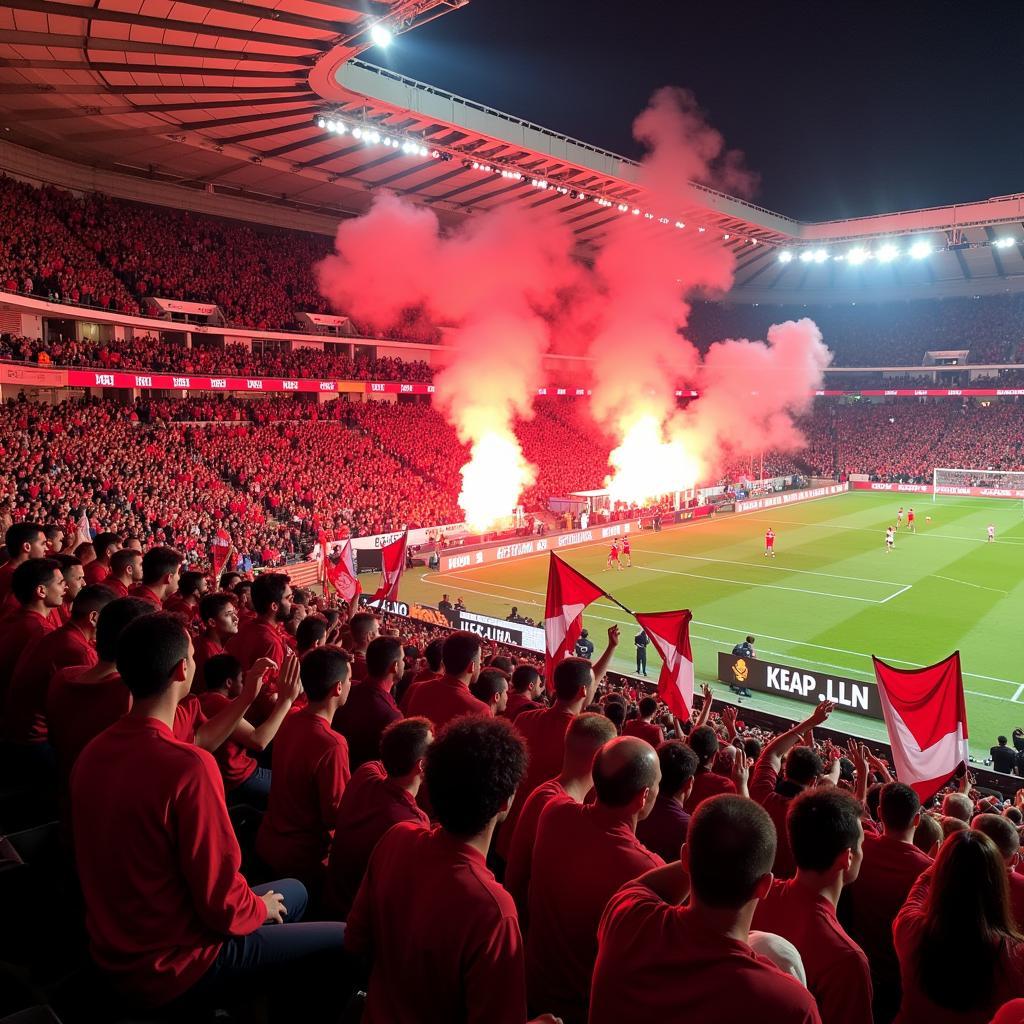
1003,243
785,256
381,35
806,256
820,255
920,250
858,255
887,253
321,123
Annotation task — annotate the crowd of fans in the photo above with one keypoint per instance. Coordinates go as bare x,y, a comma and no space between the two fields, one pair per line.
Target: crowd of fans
226,758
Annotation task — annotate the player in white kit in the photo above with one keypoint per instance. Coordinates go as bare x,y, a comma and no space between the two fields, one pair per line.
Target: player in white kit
890,538
991,533
899,517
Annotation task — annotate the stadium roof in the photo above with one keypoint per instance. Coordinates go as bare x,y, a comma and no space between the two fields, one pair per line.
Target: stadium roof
238,98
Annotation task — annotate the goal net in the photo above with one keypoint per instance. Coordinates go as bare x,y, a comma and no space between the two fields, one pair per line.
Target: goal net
977,483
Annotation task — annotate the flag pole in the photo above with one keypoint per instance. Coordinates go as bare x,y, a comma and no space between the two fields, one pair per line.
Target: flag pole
615,600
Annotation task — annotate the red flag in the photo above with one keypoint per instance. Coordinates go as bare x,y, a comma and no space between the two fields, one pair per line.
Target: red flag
342,576
392,562
926,717
220,549
569,592
670,634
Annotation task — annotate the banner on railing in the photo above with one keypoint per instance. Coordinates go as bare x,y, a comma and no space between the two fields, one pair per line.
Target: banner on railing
946,490
789,498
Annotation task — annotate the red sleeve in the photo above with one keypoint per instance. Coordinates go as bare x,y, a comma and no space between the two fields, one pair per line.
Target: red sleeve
495,977
762,782
331,779
843,992
359,922
912,913
208,853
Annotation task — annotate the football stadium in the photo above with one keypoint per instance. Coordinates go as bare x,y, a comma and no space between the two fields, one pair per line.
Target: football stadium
511,512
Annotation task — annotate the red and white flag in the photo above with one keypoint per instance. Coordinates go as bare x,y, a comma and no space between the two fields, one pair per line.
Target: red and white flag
220,550
341,575
926,717
670,634
84,528
569,592
392,562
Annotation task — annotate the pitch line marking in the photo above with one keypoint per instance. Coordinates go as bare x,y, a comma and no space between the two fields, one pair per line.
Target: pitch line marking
931,535
977,586
711,625
1019,691
902,590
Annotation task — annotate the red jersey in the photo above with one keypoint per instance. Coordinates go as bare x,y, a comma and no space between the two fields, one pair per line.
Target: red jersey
764,788
613,554
97,572
625,545
644,730
443,934
157,858
443,699
115,586
707,783
769,539
235,762
910,516
20,627
658,963
143,593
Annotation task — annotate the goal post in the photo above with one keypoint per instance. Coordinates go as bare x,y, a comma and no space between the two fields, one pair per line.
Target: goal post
978,483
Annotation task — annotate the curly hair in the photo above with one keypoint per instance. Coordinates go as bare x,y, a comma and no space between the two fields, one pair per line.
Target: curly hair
473,769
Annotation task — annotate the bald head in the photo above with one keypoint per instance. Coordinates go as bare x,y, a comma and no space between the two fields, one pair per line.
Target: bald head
1001,831
627,774
958,805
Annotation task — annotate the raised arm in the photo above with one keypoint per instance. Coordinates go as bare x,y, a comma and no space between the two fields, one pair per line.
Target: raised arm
705,708
288,690
214,731
779,747
601,665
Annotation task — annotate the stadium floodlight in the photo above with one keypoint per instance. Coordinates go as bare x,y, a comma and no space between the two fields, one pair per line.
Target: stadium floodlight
858,255
887,253
920,250
820,255
785,256
1003,243
381,35
357,133
806,256
321,123
341,128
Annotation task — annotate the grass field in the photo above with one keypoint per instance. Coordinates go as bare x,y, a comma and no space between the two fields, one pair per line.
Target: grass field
830,599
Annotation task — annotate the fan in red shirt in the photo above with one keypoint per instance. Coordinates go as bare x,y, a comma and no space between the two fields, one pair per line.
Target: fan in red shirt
151,830
586,735
441,932
526,687
71,645
706,782
1004,834
125,571
23,541
803,768
664,830
244,780
365,628
100,567
891,865
192,588
491,686
575,682
643,727
161,568
37,587
219,616
379,794
961,956
74,579
309,772
660,961
583,854
826,837
447,697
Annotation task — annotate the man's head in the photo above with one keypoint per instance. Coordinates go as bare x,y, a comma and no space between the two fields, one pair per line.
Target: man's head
113,620
503,662
87,605
574,681
154,655
460,655
385,658
126,564
1001,740
365,629
432,653
229,580
958,805
326,674
193,584
627,775
1002,833
473,769
899,807
825,833
272,596
105,545
25,540
527,681
491,686
803,766
729,852
403,747
219,615
223,672
161,567
73,571
311,632
704,744
38,580
678,769
54,538
587,734
648,706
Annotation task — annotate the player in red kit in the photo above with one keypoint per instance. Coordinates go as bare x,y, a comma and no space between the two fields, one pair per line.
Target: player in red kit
769,543
613,557
910,521
626,553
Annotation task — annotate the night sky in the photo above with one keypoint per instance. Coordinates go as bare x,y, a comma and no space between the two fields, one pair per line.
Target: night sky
844,109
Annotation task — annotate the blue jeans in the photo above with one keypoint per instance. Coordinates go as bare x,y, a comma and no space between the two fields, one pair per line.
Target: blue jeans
278,959
255,791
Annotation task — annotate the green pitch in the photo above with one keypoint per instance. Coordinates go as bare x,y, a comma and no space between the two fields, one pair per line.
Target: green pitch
829,599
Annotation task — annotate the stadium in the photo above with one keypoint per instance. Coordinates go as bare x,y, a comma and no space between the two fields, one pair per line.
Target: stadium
435,543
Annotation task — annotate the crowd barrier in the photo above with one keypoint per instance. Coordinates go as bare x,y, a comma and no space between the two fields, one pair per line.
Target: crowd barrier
947,490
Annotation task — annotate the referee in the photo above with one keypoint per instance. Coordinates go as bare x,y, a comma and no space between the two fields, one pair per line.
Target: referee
641,642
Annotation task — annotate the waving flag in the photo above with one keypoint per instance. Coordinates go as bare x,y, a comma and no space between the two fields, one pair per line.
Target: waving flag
670,634
220,552
84,529
340,575
569,592
926,717
392,558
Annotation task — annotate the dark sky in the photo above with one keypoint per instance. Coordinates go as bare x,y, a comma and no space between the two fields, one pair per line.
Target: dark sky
844,108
